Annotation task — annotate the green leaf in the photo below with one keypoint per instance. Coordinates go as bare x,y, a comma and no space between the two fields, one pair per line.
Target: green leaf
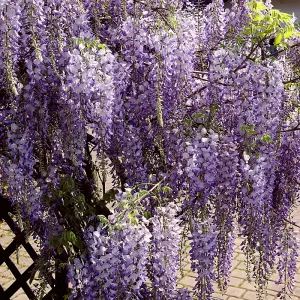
102,46
143,193
66,297
133,221
54,241
258,17
288,32
214,107
257,5
252,132
132,214
286,18
275,13
72,237
268,19
260,6
167,190
147,215
188,122
68,237
266,139
198,116
102,219
278,39
247,30
248,129
60,249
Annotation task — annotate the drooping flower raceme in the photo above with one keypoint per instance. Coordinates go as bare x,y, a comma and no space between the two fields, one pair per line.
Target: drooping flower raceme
165,247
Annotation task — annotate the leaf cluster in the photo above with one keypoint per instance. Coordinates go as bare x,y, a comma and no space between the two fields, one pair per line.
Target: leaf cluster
270,22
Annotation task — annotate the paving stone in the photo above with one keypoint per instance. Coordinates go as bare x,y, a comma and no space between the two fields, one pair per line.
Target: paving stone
7,275
234,264
180,274
21,297
239,273
6,283
181,286
297,277
6,240
3,269
220,296
297,292
23,261
193,274
235,281
249,295
297,285
18,293
235,255
248,285
241,257
241,266
271,293
235,291
274,287
187,281
274,277
187,266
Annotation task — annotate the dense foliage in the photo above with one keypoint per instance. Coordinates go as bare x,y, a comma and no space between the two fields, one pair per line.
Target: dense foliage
195,116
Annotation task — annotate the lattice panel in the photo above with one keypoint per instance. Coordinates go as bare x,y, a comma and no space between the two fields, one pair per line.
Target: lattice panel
21,277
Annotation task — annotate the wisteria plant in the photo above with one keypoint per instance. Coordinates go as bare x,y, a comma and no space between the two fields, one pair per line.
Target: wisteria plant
193,113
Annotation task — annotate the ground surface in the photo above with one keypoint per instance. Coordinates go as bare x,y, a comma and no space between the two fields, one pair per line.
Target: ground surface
239,287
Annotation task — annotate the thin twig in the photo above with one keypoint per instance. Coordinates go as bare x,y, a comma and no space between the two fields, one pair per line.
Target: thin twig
221,83
292,80
290,222
200,72
197,91
297,127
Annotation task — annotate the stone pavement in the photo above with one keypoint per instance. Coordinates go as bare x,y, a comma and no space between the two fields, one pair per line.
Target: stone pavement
239,287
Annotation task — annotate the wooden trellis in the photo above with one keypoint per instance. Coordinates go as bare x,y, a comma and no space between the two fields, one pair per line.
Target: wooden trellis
58,286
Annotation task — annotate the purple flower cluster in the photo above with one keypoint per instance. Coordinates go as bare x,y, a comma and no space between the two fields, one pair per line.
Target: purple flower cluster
115,266
124,257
